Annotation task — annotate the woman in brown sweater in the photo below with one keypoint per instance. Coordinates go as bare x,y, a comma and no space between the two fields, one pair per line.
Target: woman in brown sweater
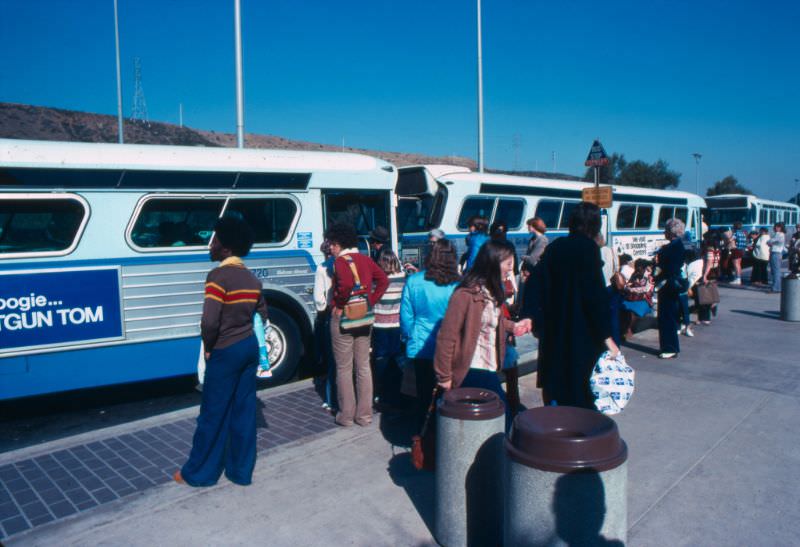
470,346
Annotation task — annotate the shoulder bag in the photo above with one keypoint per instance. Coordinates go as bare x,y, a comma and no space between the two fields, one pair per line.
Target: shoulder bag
357,313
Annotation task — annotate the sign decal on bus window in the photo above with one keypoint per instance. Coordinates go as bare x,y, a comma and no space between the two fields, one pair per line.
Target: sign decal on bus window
305,240
43,308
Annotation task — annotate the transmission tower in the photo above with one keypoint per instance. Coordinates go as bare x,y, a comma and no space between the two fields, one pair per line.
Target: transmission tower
139,104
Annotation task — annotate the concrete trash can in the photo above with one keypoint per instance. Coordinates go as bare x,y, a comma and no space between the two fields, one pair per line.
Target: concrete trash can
566,479
790,299
468,505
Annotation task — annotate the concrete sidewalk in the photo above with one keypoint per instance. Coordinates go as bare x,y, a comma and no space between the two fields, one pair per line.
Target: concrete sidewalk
712,440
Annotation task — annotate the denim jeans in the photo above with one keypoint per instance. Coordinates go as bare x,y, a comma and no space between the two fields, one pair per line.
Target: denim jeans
775,260
386,346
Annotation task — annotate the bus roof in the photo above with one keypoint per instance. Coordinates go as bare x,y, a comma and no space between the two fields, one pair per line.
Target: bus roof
53,154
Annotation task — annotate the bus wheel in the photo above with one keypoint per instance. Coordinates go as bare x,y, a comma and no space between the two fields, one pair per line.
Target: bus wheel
284,347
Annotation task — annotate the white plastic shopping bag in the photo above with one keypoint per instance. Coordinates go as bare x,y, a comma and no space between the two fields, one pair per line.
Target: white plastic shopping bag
612,383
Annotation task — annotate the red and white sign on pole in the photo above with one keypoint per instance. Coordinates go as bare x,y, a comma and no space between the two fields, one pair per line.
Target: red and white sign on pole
597,156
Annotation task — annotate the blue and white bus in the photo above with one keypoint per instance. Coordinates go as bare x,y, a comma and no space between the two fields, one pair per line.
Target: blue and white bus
445,197
103,252
751,211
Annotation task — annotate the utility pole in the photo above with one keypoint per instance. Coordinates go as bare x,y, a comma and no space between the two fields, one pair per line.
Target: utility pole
119,75
139,103
697,157
180,114
237,28
554,161
480,94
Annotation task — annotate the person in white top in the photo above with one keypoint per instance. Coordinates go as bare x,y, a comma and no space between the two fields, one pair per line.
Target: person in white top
760,258
323,296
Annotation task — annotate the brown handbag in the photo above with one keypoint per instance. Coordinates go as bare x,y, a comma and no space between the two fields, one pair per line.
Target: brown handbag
707,294
423,446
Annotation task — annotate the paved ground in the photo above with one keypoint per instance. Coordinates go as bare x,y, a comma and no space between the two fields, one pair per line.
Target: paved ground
712,439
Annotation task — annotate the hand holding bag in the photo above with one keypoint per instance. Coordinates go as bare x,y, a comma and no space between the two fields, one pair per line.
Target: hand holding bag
357,313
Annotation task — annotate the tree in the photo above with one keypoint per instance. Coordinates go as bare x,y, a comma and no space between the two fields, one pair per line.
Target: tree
635,173
728,185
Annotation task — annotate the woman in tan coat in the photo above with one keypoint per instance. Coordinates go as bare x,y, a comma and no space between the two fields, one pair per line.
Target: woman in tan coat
470,346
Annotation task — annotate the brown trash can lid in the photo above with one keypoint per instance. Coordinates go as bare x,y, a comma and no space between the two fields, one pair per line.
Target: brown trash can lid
471,403
565,439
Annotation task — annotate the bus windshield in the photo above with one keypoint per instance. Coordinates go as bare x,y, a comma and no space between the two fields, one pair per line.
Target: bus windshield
729,216
420,213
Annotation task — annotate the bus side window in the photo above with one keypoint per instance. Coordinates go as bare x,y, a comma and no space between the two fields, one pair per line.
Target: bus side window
475,207
549,211
568,207
682,214
644,217
626,216
175,222
511,211
39,225
665,213
270,218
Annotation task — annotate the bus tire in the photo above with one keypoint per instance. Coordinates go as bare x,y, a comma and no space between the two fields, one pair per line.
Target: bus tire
284,345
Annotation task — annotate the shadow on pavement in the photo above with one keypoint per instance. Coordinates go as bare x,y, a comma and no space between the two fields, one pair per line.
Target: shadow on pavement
767,314
397,428
418,485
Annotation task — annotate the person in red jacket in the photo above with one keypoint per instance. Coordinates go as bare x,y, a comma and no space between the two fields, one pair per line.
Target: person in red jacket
351,348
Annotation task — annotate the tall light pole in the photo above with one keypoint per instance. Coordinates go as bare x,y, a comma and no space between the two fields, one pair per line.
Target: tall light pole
796,192
237,27
697,157
480,94
119,74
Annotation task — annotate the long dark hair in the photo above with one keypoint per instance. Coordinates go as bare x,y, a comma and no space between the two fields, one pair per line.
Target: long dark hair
441,264
585,219
485,271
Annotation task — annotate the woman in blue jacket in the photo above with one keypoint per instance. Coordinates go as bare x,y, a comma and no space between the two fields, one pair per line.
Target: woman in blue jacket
422,308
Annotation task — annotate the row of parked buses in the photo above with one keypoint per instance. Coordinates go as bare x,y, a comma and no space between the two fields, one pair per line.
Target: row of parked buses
751,211
103,247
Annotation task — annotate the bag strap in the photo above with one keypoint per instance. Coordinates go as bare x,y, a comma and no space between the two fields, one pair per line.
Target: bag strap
349,260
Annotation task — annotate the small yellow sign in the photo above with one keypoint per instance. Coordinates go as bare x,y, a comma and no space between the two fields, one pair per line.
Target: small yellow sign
599,195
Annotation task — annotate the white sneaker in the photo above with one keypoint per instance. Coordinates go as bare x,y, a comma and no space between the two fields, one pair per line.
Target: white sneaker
667,355
687,331
737,281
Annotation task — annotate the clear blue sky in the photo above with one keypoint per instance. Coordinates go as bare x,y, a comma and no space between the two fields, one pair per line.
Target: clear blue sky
652,79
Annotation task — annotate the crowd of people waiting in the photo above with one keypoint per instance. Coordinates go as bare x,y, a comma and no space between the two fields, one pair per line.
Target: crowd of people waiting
456,319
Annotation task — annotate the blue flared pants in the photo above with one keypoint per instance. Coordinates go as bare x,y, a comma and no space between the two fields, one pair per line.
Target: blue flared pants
225,438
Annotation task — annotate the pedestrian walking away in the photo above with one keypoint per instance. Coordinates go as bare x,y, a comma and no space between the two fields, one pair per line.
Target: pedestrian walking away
351,349
568,302
670,284
470,346
225,437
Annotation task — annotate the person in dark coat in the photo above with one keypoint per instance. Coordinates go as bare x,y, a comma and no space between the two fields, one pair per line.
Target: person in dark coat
568,303
670,264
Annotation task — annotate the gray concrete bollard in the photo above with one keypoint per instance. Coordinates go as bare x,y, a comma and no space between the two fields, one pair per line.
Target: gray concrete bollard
470,428
566,479
790,299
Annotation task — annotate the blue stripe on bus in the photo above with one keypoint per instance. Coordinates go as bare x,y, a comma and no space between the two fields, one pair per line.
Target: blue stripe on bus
66,370
27,264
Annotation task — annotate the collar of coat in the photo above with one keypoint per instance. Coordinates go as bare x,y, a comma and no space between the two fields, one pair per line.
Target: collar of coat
477,294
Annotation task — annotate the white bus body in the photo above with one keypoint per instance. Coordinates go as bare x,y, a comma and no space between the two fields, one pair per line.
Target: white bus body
103,252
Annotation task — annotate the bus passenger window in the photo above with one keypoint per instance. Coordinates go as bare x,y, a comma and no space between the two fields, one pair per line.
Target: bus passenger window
475,207
270,218
39,225
644,217
664,214
169,222
511,211
682,214
549,211
568,207
626,215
